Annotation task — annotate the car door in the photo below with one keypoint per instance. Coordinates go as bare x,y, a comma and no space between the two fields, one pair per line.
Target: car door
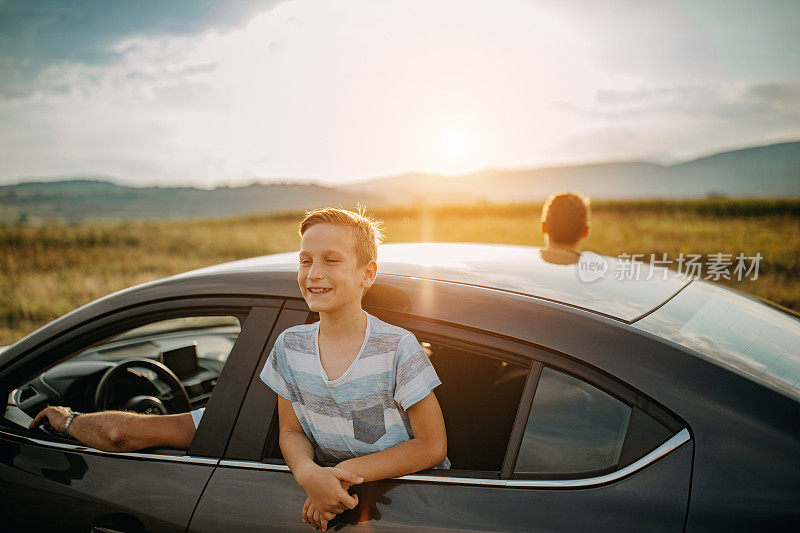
617,462
54,483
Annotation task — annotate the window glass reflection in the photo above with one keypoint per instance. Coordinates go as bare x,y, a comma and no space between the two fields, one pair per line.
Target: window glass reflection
734,330
573,428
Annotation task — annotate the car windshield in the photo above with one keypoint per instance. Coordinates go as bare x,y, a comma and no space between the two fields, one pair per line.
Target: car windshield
213,337
735,330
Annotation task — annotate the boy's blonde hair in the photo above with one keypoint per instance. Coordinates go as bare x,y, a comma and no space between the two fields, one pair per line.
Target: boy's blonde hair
367,231
566,215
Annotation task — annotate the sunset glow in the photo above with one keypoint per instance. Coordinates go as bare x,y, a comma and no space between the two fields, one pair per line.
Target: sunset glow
457,150
338,91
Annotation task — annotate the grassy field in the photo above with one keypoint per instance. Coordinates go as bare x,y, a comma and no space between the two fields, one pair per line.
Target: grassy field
49,270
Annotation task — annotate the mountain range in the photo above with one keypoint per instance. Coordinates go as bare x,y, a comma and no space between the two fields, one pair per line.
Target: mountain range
763,171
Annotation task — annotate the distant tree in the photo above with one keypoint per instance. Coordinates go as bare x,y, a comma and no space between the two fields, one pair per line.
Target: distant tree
716,195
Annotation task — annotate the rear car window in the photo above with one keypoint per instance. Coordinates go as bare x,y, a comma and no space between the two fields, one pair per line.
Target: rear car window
573,428
734,330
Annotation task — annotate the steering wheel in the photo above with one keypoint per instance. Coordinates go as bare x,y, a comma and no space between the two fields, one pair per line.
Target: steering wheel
176,398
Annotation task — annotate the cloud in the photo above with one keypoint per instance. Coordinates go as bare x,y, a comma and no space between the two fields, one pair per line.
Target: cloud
354,89
37,35
664,124
307,89
732,102
152,114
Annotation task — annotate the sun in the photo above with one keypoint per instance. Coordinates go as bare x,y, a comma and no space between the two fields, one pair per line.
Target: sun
455,149
454,143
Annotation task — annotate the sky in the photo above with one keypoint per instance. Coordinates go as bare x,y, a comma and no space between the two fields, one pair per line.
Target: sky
194,92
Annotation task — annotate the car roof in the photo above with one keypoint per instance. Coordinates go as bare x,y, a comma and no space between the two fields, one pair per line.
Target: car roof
517,269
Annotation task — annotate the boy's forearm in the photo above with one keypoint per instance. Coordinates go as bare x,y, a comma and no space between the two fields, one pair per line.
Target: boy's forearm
297,452
407,457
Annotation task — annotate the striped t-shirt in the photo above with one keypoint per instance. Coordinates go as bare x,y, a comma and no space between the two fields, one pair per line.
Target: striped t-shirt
364,410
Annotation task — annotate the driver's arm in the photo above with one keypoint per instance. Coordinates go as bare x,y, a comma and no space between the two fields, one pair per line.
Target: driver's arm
119,431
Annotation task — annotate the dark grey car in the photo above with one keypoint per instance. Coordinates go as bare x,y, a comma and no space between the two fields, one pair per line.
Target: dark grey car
652,404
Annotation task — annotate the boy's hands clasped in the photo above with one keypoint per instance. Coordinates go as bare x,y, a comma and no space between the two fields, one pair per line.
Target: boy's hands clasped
326,488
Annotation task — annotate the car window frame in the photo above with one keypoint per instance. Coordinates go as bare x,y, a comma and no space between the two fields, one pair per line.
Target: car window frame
569,475
214,431
537,357
249,438
610,385
495,351
207,444
617,390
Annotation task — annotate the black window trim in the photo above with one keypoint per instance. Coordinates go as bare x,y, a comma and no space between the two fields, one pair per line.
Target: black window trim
214,432
518,431
245,439
610,385
606,384
510,474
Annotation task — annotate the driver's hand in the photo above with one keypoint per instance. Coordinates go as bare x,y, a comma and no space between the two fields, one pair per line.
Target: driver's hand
55,415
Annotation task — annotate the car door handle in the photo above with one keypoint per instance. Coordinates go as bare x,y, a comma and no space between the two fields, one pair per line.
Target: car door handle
100,529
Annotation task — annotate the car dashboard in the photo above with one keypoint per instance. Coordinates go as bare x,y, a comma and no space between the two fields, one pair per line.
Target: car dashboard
73,383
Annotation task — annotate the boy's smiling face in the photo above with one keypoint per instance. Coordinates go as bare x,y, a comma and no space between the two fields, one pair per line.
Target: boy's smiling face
329,276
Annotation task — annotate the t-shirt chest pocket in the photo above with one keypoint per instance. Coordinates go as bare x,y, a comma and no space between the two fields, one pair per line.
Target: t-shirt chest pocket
369,424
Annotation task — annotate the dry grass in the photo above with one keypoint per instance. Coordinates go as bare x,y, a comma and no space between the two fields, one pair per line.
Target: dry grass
48,271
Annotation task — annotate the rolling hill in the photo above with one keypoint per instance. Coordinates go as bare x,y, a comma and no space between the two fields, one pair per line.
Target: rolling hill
764,171
74,201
